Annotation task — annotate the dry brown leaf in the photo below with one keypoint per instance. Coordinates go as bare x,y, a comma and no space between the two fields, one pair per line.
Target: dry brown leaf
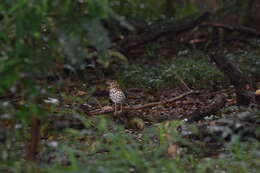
231,101
81,93
194,41
173,150
257,92
107,108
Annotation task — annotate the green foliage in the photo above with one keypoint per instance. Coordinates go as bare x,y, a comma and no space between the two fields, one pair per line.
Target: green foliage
38,35
39,38
196,70
239,10
149,10
104,146
138,9
185,10
200,72
248,61
234,6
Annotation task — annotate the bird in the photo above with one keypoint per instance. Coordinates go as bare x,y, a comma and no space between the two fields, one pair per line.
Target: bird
116,94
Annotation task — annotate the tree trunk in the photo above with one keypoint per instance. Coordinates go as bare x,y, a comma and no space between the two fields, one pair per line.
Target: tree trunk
246,13
169,8
33,144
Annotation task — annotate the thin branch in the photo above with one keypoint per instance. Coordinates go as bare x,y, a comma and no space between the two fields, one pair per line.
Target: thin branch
137,107
182,82
100,106
237,28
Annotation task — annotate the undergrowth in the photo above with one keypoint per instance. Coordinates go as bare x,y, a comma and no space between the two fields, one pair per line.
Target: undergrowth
105,147
249,62
197,72
193,68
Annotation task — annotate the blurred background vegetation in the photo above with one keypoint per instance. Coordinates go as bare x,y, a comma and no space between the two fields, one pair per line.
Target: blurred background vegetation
52,48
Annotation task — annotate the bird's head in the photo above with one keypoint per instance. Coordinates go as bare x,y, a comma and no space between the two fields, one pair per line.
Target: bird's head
112,84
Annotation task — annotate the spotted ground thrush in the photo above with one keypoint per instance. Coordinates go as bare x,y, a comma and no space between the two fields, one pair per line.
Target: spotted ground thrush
116,94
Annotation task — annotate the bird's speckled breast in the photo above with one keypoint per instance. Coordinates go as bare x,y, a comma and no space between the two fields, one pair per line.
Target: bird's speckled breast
117,96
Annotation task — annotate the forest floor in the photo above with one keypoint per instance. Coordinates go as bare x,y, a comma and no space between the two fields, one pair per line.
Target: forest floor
154,138
156,134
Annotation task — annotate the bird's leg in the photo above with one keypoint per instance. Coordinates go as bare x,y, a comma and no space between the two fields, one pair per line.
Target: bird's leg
121,109
115,109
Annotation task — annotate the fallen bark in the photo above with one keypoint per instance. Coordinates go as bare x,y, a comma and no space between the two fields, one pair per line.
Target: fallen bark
218,102
243,124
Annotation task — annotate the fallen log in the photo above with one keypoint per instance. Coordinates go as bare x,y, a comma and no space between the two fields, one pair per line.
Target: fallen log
242,84
172,28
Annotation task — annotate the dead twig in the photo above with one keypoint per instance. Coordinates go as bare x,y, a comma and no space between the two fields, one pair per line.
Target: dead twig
164,101
182,82
100,106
